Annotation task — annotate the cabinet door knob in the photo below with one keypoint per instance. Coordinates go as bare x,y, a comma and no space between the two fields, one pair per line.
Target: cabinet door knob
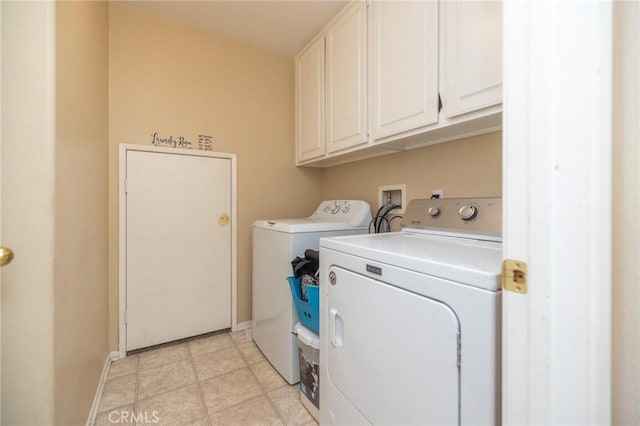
6,256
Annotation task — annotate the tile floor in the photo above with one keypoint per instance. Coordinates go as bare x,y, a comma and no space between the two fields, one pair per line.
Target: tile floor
218,380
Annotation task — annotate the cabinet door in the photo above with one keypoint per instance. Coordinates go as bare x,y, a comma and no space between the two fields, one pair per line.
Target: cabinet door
472,59
404,65
347,80
310,103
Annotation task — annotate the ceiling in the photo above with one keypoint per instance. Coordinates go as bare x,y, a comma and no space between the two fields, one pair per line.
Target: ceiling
279,26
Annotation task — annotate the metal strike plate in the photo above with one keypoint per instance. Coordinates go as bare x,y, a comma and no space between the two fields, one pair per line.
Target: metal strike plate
514,276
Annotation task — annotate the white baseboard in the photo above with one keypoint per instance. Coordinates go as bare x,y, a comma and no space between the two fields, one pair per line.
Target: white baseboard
243,325
111,356
246,326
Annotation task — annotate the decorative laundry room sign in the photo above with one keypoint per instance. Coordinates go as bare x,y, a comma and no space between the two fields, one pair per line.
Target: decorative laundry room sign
177,142
205,143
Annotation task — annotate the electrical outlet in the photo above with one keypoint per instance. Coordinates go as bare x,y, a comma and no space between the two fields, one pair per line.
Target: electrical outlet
438,192
393,194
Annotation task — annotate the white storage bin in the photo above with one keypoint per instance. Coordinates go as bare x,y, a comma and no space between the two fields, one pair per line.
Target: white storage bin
309,357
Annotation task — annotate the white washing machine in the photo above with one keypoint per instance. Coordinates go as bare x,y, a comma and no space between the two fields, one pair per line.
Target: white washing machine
410,321
275,244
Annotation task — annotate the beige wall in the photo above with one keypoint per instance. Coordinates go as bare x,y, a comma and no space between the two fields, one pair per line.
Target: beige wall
28,168
81,154
179,81
626,203
469,167
176,80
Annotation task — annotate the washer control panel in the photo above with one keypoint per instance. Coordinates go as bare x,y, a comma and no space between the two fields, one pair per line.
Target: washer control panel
354,212
476,216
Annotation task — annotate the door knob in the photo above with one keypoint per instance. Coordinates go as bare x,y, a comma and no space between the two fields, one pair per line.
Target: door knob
223,220
6,256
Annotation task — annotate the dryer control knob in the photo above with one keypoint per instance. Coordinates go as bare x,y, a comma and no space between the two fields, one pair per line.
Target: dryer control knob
433,211
467,212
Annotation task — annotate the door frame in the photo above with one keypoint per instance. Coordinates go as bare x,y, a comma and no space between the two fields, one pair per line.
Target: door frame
122,234
0,213
557,146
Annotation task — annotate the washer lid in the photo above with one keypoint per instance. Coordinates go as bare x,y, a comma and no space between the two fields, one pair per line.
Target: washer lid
471,262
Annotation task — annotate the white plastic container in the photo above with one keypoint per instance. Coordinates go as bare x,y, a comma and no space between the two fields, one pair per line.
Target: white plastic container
309,357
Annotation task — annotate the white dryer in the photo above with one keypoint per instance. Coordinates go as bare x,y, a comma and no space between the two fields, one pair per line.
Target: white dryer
410,321
275,244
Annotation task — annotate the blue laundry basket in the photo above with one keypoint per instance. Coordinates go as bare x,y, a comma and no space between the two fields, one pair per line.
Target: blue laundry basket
308,312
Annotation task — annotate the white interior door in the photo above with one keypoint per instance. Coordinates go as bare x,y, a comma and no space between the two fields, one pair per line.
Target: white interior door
557,217
178,246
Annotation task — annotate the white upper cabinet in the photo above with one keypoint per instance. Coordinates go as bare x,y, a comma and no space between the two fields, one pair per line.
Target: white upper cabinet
371,82
472,55
404,66
346,44
310,102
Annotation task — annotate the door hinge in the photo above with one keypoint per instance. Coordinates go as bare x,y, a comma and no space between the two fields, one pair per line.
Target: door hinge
367,3
126,186
514,276
439,103
459,349
126,317
368,134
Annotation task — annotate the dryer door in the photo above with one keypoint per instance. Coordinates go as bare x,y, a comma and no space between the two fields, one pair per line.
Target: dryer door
392,354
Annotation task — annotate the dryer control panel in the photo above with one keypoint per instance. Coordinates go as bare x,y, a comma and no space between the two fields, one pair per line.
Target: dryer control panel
466,217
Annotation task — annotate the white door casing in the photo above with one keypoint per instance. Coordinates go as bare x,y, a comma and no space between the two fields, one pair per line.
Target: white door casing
165,185
557,193
0,215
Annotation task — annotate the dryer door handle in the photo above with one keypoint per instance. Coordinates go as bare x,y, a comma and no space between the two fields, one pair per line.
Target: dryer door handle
337,327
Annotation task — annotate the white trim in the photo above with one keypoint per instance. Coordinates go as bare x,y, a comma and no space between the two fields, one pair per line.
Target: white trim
246,326
243,325
234,241
0,211
112,356
122,251
122,212
557,217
